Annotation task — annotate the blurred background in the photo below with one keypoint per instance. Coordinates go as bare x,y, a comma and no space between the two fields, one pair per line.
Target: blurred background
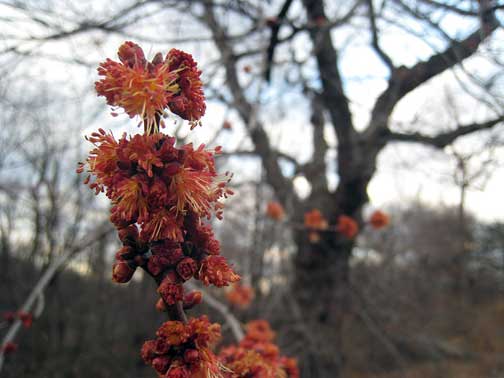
342,106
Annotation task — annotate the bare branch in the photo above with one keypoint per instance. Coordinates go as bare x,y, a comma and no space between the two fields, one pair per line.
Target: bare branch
443,139
374,31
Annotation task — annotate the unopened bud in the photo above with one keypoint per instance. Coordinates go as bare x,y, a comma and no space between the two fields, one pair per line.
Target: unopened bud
192,299
122,272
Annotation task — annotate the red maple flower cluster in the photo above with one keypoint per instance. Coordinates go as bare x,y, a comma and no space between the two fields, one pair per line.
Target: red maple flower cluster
314,221
183,350
240,295
160,194
379,220
256,356
147,89
275,211
347,226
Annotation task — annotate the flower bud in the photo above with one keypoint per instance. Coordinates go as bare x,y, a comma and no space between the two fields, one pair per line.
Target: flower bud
161,364
122,272
191,356
186,268
192,299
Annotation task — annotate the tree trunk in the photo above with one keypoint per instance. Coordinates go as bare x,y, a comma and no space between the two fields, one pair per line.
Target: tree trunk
322,292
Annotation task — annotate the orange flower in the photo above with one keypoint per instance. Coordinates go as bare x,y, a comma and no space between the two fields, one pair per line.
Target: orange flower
315,220
347,226
174,332
379,220
256,356
189,103
140,88
259,330
215,270
275,211
240,296
146,89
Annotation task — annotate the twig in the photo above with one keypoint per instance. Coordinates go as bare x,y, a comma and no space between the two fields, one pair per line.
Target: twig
213,302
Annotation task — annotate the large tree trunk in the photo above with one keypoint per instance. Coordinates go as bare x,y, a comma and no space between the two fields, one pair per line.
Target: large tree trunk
322,292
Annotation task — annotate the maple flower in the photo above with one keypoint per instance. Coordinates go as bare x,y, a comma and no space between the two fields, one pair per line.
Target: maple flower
183,350
275,211
139,87
256,356
314,221
189,103
259,330
379,220
170,291
347,226
240,296
215,270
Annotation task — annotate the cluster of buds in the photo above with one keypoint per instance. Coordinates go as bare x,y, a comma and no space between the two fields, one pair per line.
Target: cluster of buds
183,350
256,356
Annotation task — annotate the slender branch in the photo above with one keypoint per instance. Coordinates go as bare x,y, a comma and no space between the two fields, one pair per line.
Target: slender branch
404,80
275,28
442,140
374,31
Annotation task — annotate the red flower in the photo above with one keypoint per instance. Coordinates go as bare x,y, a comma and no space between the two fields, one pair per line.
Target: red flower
379,219
189,102
315,220
347,226
259,330
140,88
275,211
215,270
170,292
173,332
148,351
240,296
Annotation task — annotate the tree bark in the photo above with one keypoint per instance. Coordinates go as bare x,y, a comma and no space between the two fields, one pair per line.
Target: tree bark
322,292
